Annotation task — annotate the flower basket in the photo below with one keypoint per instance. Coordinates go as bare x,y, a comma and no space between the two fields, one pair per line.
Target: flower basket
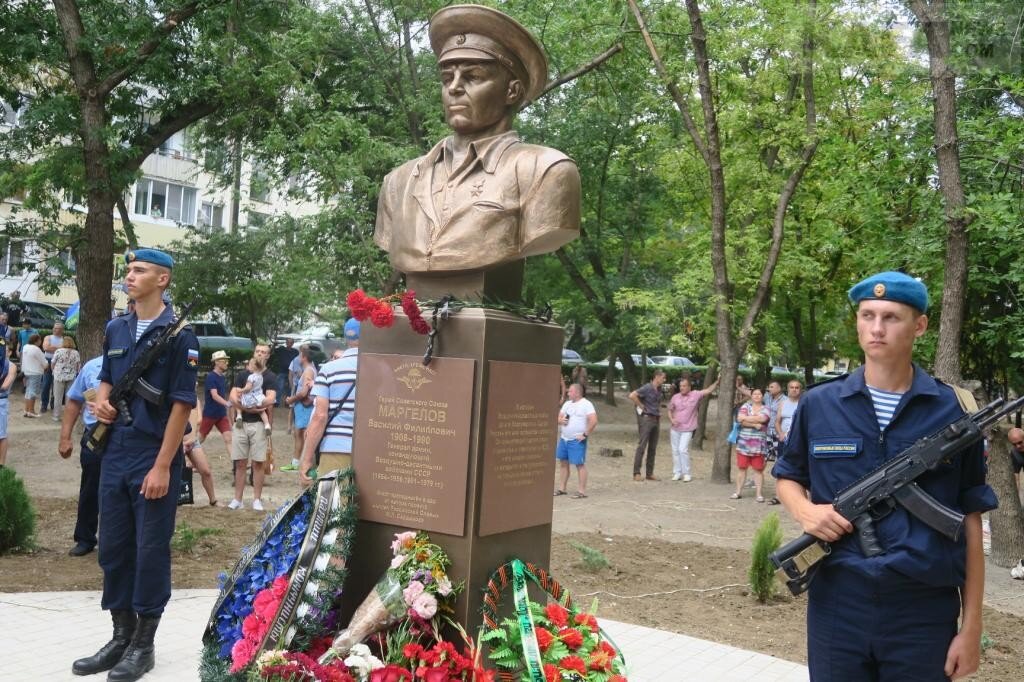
545,643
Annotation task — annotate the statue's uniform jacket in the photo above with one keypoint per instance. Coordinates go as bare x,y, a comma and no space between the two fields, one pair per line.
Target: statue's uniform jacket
507,200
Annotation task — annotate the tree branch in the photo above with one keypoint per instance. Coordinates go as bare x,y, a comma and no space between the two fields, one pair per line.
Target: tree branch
148,48
673,89
589,66
788,190
175,120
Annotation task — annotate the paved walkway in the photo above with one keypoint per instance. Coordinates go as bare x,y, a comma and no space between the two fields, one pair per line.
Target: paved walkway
43,632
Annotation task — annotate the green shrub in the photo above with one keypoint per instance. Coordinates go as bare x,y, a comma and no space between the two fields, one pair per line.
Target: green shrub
17,515
594,560
762,573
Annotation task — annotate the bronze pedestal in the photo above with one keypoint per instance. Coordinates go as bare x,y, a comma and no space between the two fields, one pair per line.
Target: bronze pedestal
463,449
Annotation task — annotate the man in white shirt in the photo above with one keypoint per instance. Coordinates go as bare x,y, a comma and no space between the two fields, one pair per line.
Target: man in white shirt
578,419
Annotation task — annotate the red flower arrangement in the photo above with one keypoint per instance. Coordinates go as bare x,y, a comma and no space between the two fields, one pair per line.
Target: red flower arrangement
381,313
257,624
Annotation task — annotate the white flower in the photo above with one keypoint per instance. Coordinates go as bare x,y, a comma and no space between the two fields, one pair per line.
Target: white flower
444,586
397,561
321,562
361,661
272,657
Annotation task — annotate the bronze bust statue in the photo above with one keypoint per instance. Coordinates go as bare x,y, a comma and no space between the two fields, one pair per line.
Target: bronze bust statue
481,200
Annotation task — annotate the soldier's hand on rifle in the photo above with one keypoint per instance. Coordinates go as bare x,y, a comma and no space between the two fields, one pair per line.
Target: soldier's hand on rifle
823,522
106,412
156,482
64,448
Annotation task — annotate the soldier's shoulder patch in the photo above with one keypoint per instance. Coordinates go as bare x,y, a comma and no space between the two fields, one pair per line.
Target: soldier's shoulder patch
192,358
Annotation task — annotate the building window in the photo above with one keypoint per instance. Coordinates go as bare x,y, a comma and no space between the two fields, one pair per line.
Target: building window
259,184
211,216
176,145
159,199
258,219
12,257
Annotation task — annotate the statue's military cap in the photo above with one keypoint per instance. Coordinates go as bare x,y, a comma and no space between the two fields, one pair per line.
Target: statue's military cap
473,32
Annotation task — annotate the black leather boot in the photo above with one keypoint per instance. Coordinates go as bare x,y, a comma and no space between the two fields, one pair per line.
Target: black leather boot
111,652
139,658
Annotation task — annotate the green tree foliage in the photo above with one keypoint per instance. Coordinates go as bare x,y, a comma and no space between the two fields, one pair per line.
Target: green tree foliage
102,84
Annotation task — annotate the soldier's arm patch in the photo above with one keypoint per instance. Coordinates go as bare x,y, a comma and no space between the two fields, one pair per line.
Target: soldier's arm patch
192,359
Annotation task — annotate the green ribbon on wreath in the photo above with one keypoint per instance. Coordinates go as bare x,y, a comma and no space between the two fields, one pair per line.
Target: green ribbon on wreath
531,650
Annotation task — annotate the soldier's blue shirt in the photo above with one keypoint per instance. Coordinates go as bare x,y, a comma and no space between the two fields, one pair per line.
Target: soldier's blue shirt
835,440
174,372
88,377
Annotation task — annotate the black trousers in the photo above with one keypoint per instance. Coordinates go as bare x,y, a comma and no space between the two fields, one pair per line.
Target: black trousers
88,497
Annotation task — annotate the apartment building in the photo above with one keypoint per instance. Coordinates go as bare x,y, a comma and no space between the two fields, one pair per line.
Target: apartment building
173,194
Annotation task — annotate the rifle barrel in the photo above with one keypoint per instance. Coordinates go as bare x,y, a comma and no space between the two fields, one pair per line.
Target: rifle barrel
1006,409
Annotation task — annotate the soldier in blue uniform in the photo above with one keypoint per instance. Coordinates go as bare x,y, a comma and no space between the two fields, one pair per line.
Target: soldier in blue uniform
913,612
141,471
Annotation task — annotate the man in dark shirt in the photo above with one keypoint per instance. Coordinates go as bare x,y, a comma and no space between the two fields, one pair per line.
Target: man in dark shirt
647,399
15,309
215,401
250,441
280,359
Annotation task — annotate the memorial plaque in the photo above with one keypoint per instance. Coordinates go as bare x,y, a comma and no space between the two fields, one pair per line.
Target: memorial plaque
519,446
412,430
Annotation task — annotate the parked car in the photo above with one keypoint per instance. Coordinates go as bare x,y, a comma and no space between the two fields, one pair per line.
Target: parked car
43,315
672,361
218,336
570,356
618,363
321,340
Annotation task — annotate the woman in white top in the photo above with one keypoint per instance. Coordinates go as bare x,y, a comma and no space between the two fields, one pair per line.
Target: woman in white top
65,366
33,364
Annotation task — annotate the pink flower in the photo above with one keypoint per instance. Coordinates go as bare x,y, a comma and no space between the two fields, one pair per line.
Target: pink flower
403,541
241,654
414,590
397,561
425,605
444,586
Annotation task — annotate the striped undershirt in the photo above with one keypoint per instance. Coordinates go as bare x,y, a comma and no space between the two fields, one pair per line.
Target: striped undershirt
885,405
140,328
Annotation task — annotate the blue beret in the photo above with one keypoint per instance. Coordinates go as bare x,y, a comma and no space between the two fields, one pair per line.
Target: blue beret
150,256
891,286
352,329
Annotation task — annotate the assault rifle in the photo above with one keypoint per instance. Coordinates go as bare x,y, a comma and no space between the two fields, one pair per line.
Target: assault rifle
132,383
875,495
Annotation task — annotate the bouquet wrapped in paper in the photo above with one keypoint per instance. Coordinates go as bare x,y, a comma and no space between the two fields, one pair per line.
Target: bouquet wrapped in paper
415,586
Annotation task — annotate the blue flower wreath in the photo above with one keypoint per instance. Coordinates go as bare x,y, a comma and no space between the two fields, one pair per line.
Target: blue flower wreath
275,558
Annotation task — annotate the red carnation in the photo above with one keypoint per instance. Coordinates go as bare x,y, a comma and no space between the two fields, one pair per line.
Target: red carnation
412,650
544,638
551,673
573,663
409,304
383,315
572,638
587,620
617,678
360,304
434,674
557,614
602,656
419,325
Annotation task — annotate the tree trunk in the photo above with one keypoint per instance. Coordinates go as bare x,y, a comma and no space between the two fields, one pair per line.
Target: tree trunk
94,273
1008,520
609,382
722,463
702,410
932,17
